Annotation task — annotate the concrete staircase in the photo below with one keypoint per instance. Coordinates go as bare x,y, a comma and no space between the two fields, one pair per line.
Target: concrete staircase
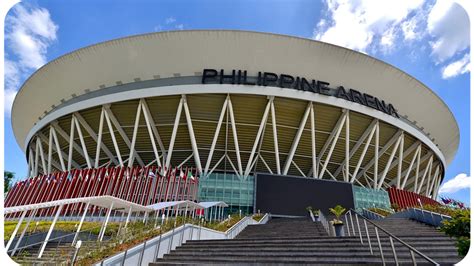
299,241
280,241
426,239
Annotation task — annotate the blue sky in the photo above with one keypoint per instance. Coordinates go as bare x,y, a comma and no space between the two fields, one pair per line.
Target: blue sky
427,39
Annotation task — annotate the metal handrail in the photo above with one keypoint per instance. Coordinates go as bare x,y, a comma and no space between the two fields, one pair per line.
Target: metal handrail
157,241
230,233
391,237
324,222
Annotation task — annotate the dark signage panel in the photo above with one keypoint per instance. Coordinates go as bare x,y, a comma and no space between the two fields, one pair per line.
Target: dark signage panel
288,195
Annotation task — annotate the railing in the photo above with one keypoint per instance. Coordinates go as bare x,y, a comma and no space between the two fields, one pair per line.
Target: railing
264,219
428,217
371,215
391,237
238,227
157,247
326,224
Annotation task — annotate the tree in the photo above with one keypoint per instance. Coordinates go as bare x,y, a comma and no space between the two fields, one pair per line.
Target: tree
7,178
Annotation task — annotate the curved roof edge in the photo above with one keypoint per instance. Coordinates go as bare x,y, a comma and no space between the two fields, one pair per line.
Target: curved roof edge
136,36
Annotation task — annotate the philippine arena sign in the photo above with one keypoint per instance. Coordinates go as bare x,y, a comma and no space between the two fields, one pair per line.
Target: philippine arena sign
240,77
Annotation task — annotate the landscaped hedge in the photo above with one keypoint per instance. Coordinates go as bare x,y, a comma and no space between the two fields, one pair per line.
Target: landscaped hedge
459,227
380,211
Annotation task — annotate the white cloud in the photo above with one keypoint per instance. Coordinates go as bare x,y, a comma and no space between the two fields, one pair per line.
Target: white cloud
29,31
388,39
409,29
461,181
12,81
456,68
170,20
448,24
179,26
355,24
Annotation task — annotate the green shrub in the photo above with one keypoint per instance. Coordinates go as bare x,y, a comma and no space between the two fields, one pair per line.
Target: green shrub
463,243
258,216
440,209
380,211
459,227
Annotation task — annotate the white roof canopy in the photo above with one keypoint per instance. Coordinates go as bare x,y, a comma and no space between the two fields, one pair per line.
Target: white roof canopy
119,204
179,204
208,204
101,201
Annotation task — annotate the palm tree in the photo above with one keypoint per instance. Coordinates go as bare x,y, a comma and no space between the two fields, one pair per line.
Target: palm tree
337,211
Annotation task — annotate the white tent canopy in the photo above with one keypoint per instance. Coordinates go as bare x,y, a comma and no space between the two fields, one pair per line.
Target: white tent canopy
208,204
119,204
108,202
100,201
183,204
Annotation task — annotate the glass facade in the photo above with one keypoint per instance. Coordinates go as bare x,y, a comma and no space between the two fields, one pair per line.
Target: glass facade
227,187
369,198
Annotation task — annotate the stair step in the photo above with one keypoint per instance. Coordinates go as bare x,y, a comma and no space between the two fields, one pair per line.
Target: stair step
300,241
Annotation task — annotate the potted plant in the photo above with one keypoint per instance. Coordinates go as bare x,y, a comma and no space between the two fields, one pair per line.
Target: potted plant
337,223
316,214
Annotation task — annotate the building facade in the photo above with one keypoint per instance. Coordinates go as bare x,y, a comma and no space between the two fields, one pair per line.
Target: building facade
230,105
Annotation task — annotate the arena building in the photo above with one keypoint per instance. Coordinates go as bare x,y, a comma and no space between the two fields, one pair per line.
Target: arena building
223,108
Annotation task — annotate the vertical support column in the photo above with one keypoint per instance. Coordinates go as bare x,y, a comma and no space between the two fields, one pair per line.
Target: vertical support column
417,172
400,161
197,158
131,158
83,144
347,146
333,145
128,216
16,230
35,173
275,138
43,163
99,139
236,140
296,140
50,231
104,226
50,150
376,155
71,144
258,137
313,143
173,134
80,224
112,135
58,148
216,136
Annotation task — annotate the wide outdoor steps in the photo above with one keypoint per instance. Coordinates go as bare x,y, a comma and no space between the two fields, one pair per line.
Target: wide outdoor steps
299,241
280,227
425,238
280,241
